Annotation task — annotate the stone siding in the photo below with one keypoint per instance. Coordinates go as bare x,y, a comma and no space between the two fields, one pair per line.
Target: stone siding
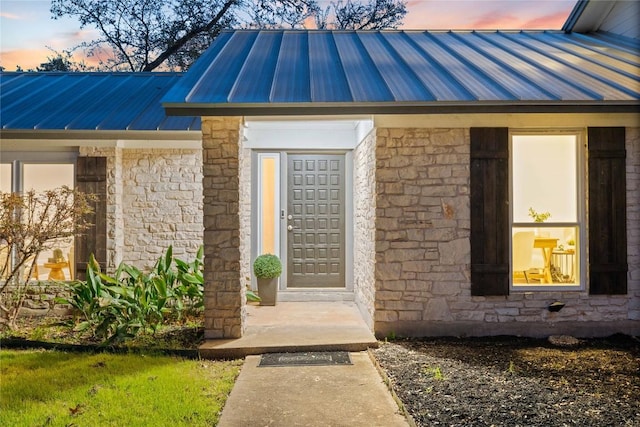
224,294
423,250
40,300
162,200
364,207
154,199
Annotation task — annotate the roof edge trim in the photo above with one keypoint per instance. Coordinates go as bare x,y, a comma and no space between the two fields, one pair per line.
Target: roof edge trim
400,108
574,15
156,135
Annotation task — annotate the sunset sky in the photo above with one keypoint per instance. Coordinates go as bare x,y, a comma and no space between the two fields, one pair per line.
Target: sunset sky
26,27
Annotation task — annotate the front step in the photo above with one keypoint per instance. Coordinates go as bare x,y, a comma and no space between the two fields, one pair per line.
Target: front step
315,294
227,349
296,327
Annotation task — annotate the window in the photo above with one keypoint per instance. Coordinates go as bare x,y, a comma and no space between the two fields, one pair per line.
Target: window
268,203
546,211
40,177
492,216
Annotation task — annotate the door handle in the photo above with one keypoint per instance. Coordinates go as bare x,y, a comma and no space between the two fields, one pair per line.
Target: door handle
290,227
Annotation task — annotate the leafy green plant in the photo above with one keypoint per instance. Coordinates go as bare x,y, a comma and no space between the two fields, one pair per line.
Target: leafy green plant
267,266
190,280
539,216
436,372
118,307
252,296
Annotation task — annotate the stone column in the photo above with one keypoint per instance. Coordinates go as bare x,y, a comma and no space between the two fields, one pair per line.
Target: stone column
223,292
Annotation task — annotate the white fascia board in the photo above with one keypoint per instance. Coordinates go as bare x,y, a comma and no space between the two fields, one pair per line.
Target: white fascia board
516,120
304,133
12,140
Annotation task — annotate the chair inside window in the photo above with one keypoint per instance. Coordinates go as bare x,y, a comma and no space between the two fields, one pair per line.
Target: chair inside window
522,252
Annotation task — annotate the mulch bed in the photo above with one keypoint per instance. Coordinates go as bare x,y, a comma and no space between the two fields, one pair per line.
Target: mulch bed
507,381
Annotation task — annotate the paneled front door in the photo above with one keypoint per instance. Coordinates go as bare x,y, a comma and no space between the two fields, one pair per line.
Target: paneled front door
315,222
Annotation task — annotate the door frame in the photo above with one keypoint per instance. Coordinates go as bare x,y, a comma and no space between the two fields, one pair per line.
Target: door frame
348,205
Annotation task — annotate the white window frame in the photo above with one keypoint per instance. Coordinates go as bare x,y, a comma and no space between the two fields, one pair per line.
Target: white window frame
581,223
18,159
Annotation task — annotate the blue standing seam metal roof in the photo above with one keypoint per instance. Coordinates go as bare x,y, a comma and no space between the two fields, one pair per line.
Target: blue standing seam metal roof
322,71
89,101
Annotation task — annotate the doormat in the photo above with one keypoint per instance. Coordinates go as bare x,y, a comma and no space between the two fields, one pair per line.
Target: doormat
315,358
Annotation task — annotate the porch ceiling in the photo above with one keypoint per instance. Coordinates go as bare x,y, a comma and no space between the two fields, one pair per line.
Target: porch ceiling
293,72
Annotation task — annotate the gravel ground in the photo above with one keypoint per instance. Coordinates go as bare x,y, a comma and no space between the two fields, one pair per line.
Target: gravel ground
516,382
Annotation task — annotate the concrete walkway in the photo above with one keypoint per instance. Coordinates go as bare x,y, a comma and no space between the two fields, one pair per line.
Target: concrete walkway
343,395
284,396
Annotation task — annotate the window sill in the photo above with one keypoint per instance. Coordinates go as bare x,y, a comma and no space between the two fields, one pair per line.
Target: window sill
561,287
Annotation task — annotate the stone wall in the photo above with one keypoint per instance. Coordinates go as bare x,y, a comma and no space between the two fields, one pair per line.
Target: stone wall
224,293
162,202
154,199
364,208
39,300
423,250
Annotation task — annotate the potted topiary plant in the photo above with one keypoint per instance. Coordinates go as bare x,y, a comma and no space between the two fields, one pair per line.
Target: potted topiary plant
267,268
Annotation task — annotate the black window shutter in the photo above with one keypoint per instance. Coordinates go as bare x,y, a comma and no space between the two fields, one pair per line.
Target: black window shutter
91,177
489,211
607,211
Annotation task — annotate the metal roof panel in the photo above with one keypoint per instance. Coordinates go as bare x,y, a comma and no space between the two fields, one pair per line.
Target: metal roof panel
291,82
365,81
435,78
462,71
327,78
375,70
217,82
86,101
616,88
254,81
397,75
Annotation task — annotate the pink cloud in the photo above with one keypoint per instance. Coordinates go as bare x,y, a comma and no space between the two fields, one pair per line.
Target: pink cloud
25,58
554,20
9,15
494,20
486,14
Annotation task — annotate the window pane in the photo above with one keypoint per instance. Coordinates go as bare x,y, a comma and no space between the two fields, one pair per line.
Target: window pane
547,256
268,199
55,263
268,204
5,177
544,177
42,177
5,187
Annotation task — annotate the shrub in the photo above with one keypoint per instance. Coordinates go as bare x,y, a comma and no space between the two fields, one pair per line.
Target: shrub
267,266
118,307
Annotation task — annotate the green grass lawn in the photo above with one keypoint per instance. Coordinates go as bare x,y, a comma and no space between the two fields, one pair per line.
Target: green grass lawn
50,388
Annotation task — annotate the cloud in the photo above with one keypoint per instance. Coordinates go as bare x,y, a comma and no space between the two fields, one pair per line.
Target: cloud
9,16
554,20
26,58
494,20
